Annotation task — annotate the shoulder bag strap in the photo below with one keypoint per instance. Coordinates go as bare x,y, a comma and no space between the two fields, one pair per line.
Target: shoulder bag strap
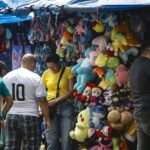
60,76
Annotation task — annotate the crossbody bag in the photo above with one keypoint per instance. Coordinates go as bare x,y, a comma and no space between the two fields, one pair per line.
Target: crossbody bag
53,109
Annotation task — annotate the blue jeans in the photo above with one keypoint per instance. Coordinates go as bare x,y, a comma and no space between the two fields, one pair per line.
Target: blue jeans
57,137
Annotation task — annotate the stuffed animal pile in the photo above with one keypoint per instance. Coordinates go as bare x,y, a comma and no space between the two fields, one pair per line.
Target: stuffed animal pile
101,86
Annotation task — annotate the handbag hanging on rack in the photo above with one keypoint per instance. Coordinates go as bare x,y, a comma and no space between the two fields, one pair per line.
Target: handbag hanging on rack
53,109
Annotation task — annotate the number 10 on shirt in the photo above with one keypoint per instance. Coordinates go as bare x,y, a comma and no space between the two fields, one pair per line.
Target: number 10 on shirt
18,92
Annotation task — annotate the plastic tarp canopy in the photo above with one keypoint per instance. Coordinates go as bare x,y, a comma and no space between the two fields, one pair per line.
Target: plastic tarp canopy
67,4
3,5
73,3
6,18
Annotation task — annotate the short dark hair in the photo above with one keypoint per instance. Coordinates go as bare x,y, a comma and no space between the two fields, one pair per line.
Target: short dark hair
3,66
53,57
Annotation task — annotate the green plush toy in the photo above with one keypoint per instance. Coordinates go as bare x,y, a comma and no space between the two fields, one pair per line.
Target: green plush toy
80,133
101,60
115,142
113,62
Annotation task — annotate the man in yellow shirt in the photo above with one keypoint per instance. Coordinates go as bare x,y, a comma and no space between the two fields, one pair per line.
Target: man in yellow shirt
59,83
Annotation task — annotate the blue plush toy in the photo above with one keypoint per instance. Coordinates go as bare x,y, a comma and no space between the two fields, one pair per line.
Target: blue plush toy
97,115
84,73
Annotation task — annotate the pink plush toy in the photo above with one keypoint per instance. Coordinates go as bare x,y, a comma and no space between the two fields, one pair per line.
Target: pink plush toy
122,75
80,28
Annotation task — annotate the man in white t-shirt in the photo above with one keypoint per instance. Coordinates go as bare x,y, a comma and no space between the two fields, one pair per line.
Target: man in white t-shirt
28,93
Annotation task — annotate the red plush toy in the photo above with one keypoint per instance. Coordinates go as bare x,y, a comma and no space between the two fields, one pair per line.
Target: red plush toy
85,97
96,96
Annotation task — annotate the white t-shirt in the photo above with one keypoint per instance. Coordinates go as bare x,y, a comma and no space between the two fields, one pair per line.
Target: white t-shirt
26,88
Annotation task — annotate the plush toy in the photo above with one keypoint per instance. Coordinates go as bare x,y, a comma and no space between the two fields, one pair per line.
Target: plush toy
70,54
119,42
110,20
104,139
131,131
132,40
98,26
107,94
114,117
99,71
130,125
85,96
88,50
66,38
116,143
84,73
123,121
80,28
97,114
100,42
101,60
121,75
80,133
96,97
92,57
83,34
127,55
108,81
120,99
112,62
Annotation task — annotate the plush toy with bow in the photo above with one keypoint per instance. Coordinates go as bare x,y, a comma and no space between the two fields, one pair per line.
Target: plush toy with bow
80,133
104,137
85,96
96,96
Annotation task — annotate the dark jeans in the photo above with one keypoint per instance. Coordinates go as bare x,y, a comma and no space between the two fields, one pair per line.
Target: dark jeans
143,136
57,136
143,133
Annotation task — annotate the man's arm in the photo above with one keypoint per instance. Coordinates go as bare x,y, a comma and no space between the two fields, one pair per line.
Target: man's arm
8,102
45,111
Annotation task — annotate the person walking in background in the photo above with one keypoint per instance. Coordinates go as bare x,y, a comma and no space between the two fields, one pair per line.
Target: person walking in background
3,68
139,80
58,80
7,101
28,92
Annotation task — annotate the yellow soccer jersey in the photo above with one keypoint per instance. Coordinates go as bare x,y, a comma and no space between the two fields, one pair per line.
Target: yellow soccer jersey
50,80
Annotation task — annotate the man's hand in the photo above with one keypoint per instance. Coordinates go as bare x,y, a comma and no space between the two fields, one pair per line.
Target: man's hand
48,124
52,102
2,124
45,111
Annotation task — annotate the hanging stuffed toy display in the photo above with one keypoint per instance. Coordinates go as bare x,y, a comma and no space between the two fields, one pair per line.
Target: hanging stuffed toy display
2,39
